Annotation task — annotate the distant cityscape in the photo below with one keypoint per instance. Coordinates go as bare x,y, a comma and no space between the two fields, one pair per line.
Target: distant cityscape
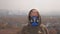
4,12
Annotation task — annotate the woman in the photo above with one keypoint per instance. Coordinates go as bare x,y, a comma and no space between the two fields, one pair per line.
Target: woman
37,27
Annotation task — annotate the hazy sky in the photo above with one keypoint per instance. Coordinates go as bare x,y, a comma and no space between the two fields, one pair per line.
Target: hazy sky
44,6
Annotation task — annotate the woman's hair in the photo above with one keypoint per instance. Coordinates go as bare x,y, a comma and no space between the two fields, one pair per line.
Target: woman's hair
29,17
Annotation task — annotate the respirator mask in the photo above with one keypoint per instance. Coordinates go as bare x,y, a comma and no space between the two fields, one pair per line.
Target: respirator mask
34,21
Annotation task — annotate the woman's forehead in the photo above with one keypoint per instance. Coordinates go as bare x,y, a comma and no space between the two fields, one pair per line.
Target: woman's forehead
34,10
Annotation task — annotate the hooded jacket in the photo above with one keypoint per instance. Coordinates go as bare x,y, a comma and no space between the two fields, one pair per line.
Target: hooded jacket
29,29
40,29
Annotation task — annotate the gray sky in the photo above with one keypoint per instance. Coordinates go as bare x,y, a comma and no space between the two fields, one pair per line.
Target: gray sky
44,6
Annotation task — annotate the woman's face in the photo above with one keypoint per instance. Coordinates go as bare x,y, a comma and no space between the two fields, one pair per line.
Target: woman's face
34,13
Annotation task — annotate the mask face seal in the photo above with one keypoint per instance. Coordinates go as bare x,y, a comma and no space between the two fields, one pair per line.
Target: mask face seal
34,21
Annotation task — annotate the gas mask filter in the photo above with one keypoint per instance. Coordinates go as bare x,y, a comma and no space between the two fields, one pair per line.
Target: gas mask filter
34,21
